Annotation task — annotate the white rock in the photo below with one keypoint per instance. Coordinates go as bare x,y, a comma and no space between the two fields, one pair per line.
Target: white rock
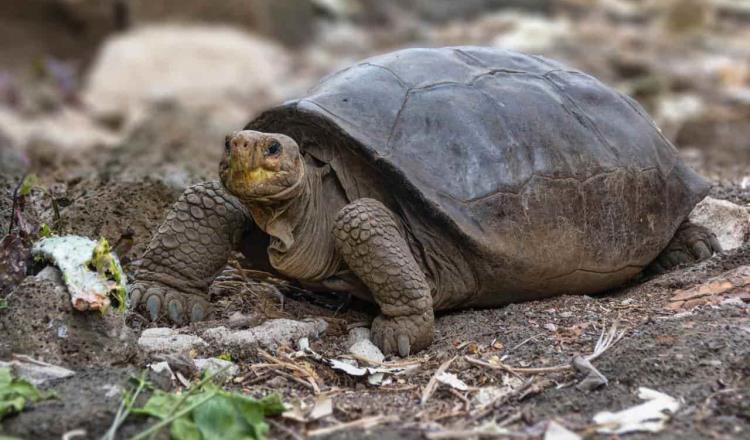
162,340
358,334
367,350
730,222
51,274
213,365
111,391
674,110
530,32
215,68
270,334
66,130
36,372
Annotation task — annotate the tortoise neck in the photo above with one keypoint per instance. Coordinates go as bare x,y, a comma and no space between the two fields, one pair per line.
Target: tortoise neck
300,228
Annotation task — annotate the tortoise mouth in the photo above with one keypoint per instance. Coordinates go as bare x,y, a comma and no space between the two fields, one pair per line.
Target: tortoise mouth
260,183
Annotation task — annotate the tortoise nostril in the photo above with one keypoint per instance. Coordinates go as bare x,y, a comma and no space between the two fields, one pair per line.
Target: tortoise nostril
238,143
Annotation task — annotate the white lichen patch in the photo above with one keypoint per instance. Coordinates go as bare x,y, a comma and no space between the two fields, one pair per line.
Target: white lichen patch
91,271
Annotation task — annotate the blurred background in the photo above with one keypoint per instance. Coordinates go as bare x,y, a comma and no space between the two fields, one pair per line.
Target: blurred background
118,105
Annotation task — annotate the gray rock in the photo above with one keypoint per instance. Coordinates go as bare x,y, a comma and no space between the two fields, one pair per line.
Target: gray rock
730,222
44,325
367,350
162,340
161,375
213,365
358,334
50,273
36,372
270,334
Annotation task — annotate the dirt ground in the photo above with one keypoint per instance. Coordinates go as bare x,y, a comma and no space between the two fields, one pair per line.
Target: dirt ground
693,74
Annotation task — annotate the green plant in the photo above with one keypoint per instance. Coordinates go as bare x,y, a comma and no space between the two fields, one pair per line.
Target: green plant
126,406
15,393
204,411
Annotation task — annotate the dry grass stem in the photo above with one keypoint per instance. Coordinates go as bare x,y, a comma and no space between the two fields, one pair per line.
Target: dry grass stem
432,384
363,423
607,339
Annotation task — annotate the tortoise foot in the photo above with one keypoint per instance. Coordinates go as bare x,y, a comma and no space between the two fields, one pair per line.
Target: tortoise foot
403,335
691,243
158,301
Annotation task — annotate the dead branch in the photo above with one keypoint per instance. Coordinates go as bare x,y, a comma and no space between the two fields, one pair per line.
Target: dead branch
290,366
432,384
606,340
363,423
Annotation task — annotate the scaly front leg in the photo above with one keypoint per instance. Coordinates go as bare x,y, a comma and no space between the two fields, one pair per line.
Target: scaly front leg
371,245
187,252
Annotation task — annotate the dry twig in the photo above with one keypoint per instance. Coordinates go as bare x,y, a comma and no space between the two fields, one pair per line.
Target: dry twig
483,411
363,423
432,384
606,340
290,366
288,431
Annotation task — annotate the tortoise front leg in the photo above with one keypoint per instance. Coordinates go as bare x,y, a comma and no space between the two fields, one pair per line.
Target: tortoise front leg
187,252
371,245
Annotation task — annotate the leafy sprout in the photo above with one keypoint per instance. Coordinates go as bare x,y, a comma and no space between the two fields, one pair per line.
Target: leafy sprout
15,393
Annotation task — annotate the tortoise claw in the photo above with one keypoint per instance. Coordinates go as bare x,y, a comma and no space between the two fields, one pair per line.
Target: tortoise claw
175,311
691,243
700,250
198,313
402,335
404,345
153,305
180,307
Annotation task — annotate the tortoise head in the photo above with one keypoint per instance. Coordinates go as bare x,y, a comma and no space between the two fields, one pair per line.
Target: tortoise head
258,166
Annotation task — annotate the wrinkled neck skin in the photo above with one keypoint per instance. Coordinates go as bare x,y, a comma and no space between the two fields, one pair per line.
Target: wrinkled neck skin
299,221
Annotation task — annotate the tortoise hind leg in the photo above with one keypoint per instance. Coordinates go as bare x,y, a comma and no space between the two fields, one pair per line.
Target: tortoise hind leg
691,243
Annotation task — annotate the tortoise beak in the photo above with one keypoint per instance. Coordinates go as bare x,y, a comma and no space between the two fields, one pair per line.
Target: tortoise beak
245,159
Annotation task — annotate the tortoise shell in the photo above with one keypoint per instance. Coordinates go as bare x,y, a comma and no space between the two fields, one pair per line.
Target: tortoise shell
558,182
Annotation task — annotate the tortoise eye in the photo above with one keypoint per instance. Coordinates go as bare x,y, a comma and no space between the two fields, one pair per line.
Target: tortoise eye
273,149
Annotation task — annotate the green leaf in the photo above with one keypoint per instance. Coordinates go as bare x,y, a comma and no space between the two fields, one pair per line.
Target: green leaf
44,230
14,393
3,303
11,405
29,181
185,429
5,378
105,263
160,405
218,419
226,415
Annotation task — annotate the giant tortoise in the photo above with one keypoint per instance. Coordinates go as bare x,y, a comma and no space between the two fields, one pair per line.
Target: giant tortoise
432,179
